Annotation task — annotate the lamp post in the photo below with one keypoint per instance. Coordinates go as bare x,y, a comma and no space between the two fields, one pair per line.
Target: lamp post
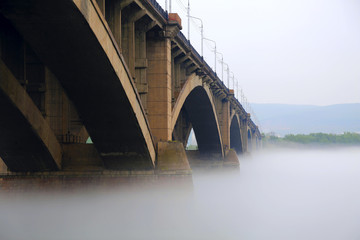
201,30
227,71
222,65
242,96
214,50
188,14
237,89
233,77
228,75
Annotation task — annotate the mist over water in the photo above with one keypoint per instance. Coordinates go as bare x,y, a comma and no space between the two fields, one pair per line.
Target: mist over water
278,194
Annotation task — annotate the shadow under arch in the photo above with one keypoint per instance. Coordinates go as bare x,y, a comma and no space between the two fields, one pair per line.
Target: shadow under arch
249,140
235,134
195,109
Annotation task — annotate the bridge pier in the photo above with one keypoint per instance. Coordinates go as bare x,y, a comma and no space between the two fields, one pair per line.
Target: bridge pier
244,132
159,83
172,159
223,107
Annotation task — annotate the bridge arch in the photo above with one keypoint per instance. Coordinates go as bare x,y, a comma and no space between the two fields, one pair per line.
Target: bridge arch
235,134
196,103
86,60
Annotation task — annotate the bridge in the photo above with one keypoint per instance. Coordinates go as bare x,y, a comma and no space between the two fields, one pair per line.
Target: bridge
119,72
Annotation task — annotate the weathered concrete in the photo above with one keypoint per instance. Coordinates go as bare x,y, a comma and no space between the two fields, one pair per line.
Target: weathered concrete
3,167
224,115
231,159
27,141
200,162
79,181
172,159
159,82
81,157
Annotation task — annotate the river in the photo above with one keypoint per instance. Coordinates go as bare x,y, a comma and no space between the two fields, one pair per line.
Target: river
278,194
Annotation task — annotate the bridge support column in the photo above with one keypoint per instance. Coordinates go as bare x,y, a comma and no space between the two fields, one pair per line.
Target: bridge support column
159,82
141,64
231,159
128,42
244,133
113,17
224,122
159,76
133,38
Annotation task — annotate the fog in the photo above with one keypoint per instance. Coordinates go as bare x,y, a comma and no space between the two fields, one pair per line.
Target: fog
277,194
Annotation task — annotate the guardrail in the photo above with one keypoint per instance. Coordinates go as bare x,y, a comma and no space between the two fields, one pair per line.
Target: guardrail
201,59
184,39
157,6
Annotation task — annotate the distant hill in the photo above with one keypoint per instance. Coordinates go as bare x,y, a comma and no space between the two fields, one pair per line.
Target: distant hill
284,119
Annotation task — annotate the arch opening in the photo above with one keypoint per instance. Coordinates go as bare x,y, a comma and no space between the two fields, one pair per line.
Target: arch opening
197,113
235,135
191,144
249,142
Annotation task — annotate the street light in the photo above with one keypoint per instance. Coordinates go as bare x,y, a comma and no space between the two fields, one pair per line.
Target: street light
242,96
228,75
166,6
227,71
222,65
237,90
214,49
201,30
233,77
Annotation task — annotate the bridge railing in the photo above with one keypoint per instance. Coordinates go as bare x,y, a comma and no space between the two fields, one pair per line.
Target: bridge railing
184,39
157,6
201,59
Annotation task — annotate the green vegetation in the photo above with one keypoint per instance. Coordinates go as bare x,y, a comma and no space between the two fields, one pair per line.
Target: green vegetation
89,141
192,147
347,138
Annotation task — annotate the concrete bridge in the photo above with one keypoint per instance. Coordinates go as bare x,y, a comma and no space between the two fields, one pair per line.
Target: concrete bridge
118,71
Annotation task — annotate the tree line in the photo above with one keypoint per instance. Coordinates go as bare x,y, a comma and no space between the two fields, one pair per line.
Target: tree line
320,138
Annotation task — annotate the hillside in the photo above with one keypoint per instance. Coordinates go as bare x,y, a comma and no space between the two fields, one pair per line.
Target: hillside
284,119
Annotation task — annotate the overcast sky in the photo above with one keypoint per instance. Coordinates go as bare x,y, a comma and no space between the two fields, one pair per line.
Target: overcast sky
283,51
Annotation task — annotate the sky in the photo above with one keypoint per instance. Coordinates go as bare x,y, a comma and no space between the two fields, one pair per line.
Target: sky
282,51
